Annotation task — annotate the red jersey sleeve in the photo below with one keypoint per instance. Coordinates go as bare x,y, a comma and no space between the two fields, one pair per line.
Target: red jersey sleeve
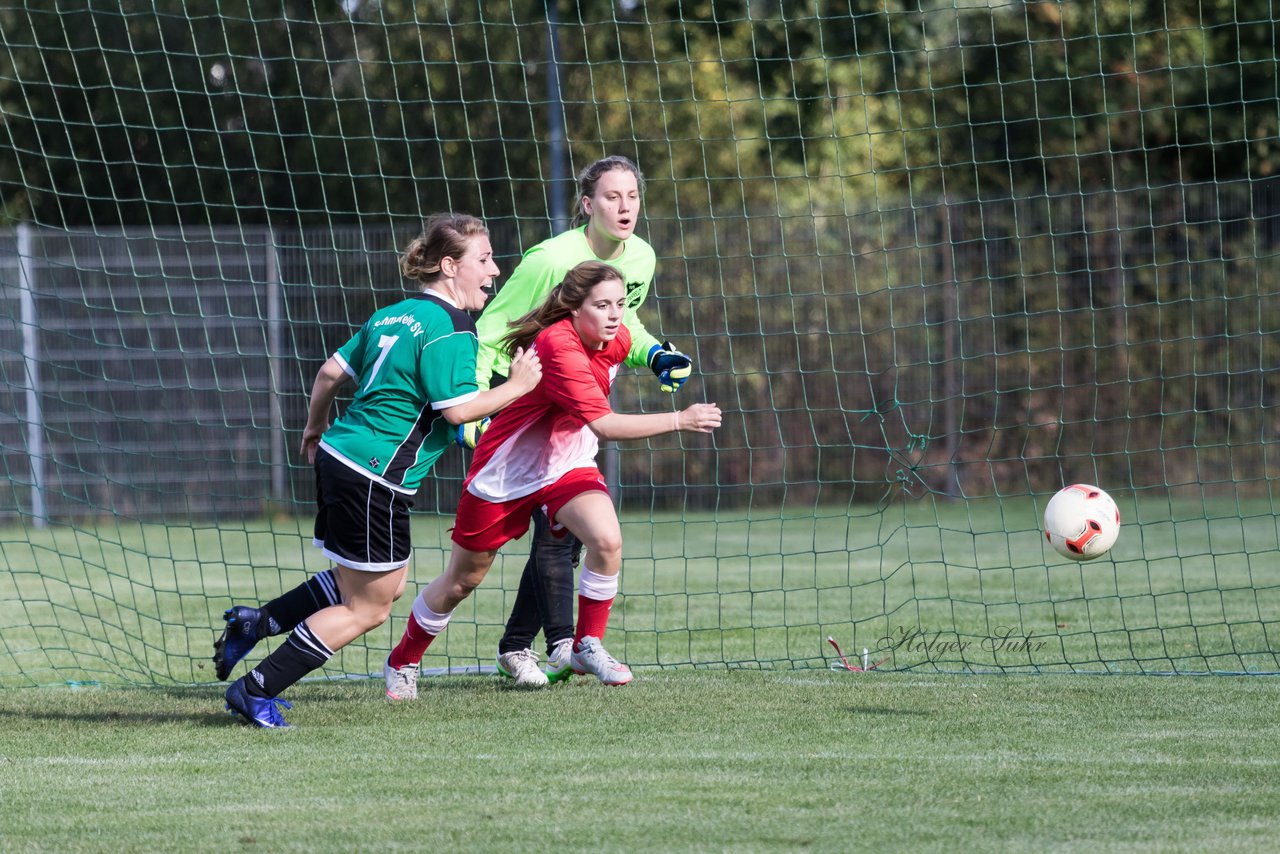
568,378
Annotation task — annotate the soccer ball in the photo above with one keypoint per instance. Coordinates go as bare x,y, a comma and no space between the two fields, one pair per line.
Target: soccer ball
1081,522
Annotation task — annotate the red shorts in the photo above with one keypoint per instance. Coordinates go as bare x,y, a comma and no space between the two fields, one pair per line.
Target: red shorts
484,526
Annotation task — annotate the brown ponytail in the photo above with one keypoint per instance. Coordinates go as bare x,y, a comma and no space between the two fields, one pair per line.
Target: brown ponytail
560,303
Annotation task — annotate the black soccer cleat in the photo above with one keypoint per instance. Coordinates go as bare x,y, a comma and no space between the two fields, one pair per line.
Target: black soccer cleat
239,636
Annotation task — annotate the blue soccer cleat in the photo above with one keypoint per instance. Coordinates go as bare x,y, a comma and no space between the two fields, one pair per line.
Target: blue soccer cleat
240,636
259,711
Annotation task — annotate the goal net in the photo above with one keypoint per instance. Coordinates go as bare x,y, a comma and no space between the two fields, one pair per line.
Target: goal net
935,261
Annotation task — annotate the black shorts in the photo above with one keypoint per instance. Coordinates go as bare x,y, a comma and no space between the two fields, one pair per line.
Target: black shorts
360,523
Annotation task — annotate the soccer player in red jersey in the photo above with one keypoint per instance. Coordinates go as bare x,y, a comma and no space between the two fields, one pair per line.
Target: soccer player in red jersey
538,455
609,204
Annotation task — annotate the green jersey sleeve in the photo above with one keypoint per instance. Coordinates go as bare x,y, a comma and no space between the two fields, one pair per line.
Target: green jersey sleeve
351,354
447,366
641,340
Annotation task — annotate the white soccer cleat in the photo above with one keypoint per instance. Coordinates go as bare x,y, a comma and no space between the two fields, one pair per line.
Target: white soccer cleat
591,657
560,662
402,682
522,666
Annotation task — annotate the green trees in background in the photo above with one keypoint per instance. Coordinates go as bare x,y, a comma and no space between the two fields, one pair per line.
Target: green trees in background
251,112
942,234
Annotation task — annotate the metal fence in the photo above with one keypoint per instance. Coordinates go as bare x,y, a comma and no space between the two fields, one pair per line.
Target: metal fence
152,372
966,349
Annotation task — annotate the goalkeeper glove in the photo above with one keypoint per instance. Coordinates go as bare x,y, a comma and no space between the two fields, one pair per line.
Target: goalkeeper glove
468,435
670,366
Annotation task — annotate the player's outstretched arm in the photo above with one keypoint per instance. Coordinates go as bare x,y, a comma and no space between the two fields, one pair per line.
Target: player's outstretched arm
699,418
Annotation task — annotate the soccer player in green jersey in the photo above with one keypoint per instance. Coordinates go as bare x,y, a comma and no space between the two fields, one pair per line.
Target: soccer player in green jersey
414,365
608,209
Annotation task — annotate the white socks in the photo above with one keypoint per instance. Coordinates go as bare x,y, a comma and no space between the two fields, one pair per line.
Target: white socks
593,585
431,622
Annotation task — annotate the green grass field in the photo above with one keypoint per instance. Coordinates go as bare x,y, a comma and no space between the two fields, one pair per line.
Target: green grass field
735,735
929,585
688,760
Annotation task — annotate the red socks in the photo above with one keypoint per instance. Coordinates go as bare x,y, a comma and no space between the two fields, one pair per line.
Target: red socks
413,645
593,618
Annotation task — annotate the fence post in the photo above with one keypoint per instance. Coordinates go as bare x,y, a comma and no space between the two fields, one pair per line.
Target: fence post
275,336
31,363
951,338
556,152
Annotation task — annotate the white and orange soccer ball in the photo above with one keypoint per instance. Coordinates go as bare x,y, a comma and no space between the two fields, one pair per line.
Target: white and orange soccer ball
1081,522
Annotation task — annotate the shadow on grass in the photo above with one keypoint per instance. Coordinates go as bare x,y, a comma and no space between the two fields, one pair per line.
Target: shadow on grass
109,717
204,705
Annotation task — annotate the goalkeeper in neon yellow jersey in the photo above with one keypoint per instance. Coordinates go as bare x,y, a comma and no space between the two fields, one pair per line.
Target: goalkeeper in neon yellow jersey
609,194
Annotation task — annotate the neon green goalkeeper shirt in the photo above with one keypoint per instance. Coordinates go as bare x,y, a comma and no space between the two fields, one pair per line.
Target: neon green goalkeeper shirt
541,269
409,360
